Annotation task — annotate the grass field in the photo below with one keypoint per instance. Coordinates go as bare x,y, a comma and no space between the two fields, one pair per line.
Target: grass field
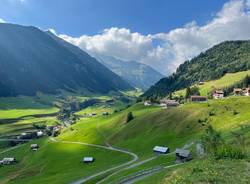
227,80
56,163
61,163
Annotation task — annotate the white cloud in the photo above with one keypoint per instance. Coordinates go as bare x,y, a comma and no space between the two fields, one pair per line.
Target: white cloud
2,21
165,51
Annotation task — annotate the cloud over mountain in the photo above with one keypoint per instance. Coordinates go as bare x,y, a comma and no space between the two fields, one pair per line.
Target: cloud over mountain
165,51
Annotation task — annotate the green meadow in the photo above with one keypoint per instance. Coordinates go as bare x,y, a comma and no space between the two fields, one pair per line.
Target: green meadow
56,162
226,81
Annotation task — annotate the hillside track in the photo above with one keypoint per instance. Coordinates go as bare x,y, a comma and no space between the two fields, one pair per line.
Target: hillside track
85,179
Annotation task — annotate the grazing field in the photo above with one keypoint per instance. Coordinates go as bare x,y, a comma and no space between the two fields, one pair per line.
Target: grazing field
227,80
56,163
151,126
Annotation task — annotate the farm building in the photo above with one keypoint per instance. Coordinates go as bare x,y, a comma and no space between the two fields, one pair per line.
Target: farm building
34,147
39,134
237,91
198,98
88,159
147,103
161,149
247,92
182,155
218,94
169,103
8,161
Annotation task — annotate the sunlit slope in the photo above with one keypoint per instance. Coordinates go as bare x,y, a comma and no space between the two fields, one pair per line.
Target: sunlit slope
61,163
56,163
226,81
155,126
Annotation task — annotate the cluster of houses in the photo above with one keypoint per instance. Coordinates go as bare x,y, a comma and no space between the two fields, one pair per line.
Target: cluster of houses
217,94
240,91
182,155
31,135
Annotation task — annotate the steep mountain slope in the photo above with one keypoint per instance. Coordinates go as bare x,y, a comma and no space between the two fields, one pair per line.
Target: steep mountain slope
227,57
31,60
137,74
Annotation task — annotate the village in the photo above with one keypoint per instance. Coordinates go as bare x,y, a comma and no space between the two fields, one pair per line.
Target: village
217,94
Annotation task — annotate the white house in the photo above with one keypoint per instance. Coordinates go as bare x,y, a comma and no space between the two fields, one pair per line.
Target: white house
247,92
147,103
219,94
39,134
161,149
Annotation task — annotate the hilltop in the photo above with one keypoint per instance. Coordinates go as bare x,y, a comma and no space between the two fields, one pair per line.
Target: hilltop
227,57
32,60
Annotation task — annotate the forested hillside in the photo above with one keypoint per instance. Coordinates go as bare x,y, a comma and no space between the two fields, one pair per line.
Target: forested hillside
227,57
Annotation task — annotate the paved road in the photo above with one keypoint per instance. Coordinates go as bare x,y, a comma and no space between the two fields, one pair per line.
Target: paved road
85,179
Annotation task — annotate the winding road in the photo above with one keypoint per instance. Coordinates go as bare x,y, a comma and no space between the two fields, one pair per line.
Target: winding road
85,179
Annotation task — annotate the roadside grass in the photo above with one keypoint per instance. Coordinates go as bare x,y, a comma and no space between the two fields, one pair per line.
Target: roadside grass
227,80
210,171
160,160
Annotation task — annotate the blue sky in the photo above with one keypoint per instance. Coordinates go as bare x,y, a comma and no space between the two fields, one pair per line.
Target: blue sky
77,17
160,33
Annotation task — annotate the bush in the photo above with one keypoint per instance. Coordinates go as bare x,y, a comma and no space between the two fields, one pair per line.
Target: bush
211,113
235,112
129,117
39,125
227,151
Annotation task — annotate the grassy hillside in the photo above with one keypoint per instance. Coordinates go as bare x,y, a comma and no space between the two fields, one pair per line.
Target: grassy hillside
151,126
227,57
226,81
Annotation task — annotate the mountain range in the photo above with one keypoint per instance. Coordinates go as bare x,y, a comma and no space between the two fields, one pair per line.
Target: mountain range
33,60
136,74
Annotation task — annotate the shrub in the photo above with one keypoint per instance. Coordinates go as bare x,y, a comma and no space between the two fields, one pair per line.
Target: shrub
40,125
227,151
211,113
235,112
129,117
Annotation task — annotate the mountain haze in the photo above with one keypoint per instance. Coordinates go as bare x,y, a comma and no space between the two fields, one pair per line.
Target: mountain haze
137,74
32,60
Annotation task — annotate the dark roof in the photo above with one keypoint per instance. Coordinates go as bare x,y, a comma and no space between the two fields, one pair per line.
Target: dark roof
182,152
